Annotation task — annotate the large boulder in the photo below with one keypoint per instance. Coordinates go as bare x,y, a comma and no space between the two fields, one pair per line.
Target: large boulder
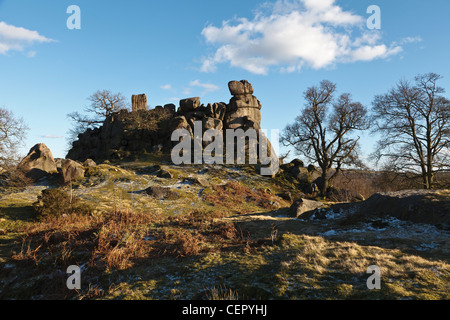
244,109
297,163
170,108
138,102
88,163
38,163
304,209
71,170
240,87
299,173
190,104
420,206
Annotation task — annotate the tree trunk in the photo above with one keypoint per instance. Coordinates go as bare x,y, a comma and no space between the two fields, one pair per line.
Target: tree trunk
430,180
324,186
425,181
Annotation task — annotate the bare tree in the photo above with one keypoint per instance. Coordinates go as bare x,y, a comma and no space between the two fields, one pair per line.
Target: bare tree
414,122
12,133
322,133
103,103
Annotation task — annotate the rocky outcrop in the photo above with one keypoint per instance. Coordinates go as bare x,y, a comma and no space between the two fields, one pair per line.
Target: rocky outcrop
191,110
139,102
297,170
244,110
38,163
216,110
420,206
125,132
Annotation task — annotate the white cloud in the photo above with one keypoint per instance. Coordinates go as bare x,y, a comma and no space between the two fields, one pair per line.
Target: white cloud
410,40
166,87
17,38
289,35
208,87
367,53
51,136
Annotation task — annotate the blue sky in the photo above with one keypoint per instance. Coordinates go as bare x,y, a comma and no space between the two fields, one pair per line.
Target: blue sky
171,50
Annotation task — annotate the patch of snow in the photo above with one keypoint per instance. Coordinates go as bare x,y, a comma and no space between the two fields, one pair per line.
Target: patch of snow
329,233
426,246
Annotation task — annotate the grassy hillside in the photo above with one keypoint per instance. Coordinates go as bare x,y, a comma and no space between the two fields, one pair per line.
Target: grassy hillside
210,232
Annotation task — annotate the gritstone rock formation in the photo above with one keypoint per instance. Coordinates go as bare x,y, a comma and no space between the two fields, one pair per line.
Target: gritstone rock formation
244,110
144,130
38,162
139,102
71,170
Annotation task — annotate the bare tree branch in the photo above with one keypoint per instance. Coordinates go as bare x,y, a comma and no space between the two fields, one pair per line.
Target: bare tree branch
103,103
414,121
323,137
12,134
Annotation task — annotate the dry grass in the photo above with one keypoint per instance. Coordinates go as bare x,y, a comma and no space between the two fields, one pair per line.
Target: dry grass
222,293
120,239
197,232
115,240
239,198
343,265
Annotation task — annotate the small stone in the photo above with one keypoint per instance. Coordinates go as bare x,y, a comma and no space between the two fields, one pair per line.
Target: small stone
162,193
198,180
163,173
89,163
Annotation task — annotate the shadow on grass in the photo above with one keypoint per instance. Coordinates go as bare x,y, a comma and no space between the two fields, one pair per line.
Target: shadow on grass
18,213
264,224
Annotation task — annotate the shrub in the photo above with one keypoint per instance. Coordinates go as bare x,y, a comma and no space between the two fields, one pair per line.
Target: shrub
55,203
